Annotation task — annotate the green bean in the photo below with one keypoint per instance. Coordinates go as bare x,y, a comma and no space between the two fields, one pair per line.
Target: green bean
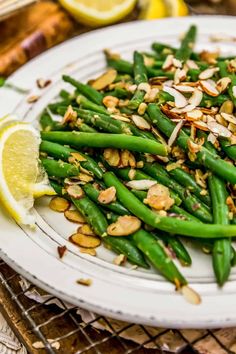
221,255
54,106
160,47
64,153
119,141
186,180
46,121
122,245
220,167
115,206
89,105
65,95
155,253
229,149
118,92
186,48
59,169
190,202
86,90
168,224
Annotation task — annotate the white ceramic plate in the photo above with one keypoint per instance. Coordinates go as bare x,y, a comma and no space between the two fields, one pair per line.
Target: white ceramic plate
123,293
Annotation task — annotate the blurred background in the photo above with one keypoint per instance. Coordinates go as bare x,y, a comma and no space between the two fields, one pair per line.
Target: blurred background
29,27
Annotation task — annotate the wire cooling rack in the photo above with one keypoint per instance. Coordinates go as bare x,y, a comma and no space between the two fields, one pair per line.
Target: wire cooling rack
61,330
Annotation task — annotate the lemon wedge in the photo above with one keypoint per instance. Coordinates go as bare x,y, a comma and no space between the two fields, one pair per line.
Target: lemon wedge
98,12
176,8
21,176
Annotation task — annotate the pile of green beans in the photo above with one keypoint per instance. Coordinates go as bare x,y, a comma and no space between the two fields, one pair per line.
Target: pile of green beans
110,119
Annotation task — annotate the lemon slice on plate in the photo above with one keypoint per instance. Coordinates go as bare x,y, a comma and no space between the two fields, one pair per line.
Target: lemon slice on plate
176,8
162,8
98,12
9,118
21,176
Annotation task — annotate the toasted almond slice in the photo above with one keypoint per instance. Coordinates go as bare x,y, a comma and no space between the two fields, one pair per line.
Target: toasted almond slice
110,101
75,191
120,117
140,122
59,204
219,129
209,88
209,57
168,62
78,156
74,216
223,84
69,116
144,86
180,100
193,148
33,98
184,89
177,63
227,107
211,111
112,156
158,197
196,97
132,172
191,295
175,133
234,91
180,75
90,251
61,251
152,95
107,196
211,138
105,79
85,230
85,241
85,282
141,184
120,260
208,73
194,115
201,125
84,177
229,117
127,159
142,108
124,226
186,109
232,127
170,113
191,64
132,88
42,83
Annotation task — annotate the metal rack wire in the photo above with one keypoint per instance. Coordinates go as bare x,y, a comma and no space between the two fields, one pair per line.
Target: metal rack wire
68,330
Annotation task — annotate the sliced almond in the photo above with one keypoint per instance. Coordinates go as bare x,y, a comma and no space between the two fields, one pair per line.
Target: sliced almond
120,260
85,241
194,115
211,138
191,64
227,107
120,117
194,148
75,191
112,156
42,83
209,88
124,226
184,88
180,100
186,109
110,101
61,251
234,91
174,165
144,86
201,125
208,73
157,80
107,196
139,164
74,216
209,57
177,63
140,122
158,197
170,113
127,159
142,108
105,79
196,97
132,88
85,282
90,251
180,75
168,62
223,84
132,172
191,295
86,230
175,133
218,129
78,156
152,95
59,204
84,177
69,116
141,184
229,117
33,98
